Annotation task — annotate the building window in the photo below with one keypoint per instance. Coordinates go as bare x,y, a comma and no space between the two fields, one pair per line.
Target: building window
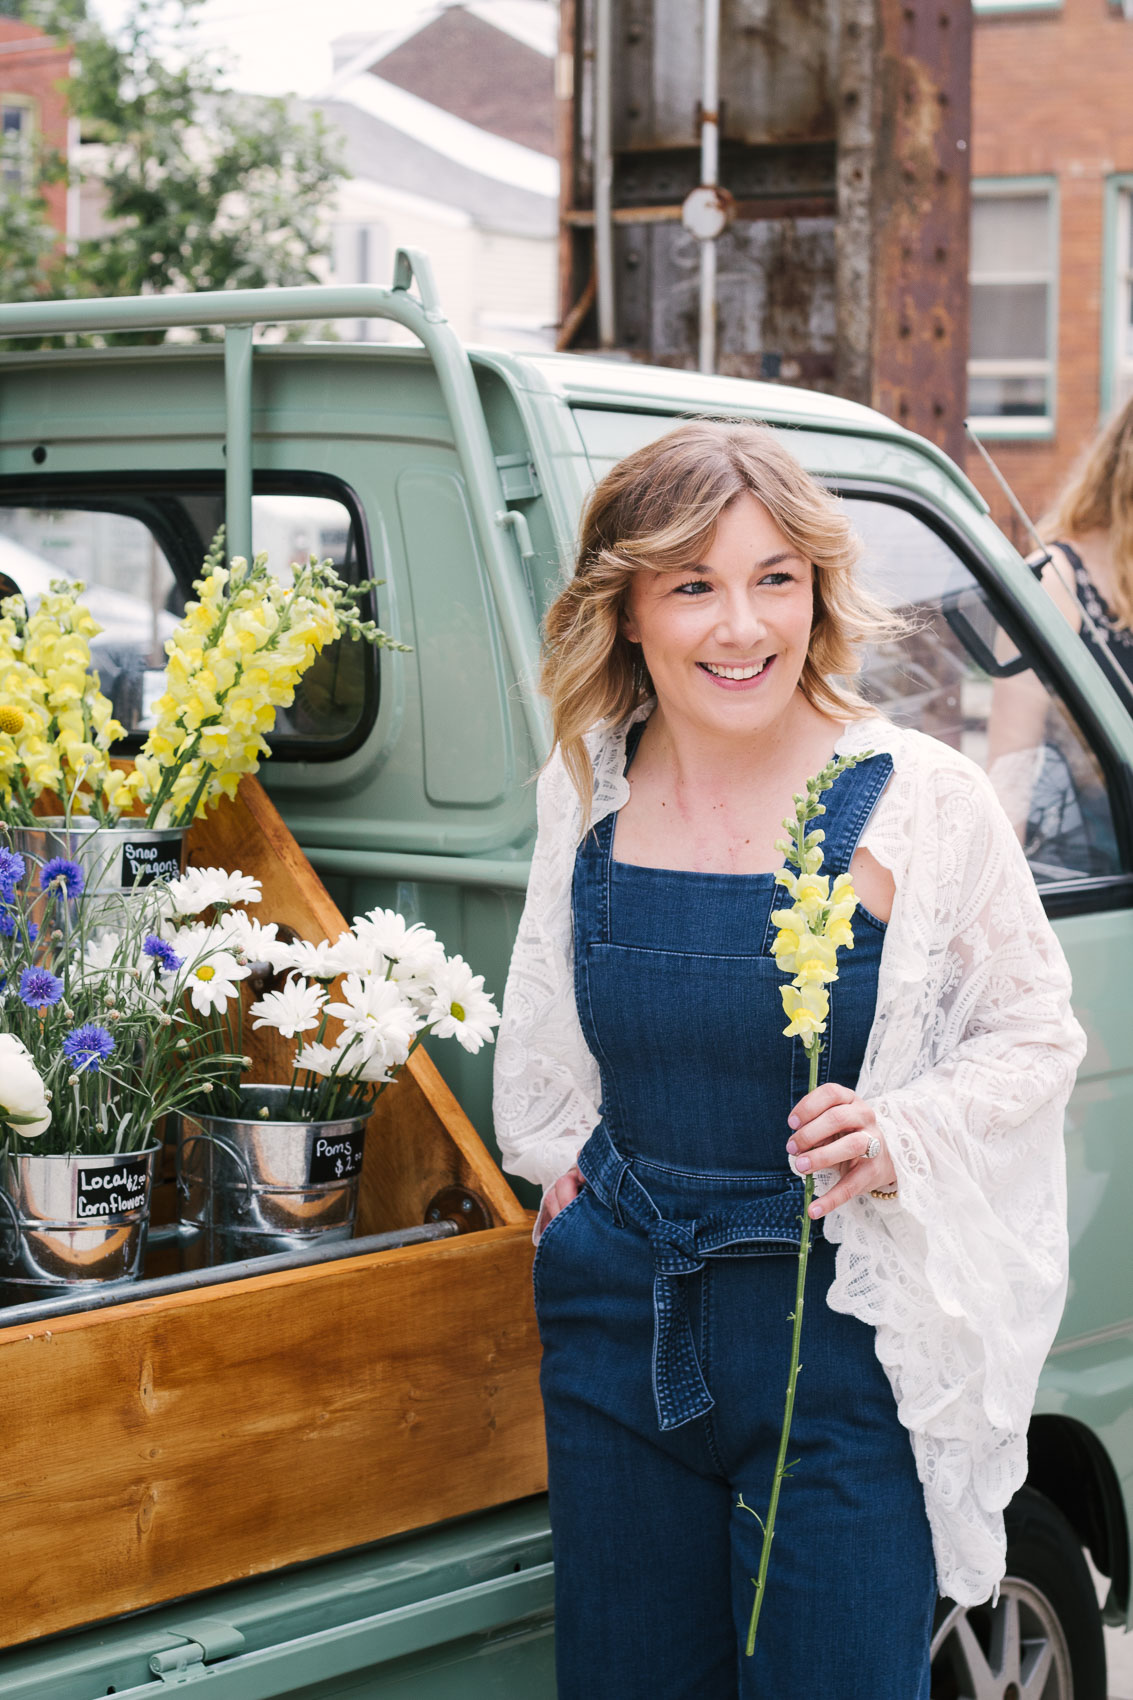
1013,277
1117,322
984,7
16,118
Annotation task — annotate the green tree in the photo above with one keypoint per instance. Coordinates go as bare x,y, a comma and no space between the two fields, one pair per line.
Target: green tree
203,188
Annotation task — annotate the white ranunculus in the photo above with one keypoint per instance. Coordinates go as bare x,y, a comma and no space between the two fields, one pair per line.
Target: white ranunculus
22,1092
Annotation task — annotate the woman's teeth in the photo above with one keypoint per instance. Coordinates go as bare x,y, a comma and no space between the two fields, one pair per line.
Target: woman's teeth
736,672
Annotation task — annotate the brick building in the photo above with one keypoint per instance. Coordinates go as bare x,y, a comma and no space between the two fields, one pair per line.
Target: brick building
33,109
1052,236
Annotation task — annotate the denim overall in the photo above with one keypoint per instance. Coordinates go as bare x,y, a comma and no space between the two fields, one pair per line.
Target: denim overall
663,1293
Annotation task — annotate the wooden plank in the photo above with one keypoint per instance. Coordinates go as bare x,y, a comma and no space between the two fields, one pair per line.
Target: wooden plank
174,1445
171,1445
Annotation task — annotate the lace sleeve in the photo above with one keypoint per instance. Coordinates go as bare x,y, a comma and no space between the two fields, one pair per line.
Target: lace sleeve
970,1063
546,1086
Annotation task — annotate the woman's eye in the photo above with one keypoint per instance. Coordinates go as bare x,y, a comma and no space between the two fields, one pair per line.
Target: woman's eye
778,578
693,586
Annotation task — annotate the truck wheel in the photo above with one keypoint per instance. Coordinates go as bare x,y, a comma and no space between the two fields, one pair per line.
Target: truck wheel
1043,1638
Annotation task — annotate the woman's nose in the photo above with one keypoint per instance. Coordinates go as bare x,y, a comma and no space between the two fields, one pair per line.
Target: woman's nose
740,625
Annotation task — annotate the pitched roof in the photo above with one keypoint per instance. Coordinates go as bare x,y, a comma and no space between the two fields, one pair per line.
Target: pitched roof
382,150
488,63
482,74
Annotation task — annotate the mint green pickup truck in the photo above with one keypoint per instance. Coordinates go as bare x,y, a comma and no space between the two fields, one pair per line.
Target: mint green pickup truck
456,476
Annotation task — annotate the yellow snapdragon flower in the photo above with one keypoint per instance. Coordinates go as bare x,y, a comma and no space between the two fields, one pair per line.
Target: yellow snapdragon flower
806,1009
811,932
66,725
235,660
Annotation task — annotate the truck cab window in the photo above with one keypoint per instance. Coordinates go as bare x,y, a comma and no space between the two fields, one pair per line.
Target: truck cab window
138,568
960,676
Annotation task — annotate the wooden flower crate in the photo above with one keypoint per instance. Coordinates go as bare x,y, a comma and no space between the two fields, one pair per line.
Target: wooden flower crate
177,1443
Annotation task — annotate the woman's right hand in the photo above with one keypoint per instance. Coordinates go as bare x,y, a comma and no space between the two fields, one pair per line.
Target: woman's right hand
557,1197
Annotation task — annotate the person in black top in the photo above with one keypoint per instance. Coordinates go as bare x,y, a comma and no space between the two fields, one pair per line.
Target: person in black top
1090,537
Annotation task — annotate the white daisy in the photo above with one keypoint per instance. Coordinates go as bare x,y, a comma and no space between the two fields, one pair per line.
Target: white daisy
354,955
258,941
461,1009
390,933
295,1008
316,961
101,953
384,1021
211,980
417,970
372,1070
200,888
316,1059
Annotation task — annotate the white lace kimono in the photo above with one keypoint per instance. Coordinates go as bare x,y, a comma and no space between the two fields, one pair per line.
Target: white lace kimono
968,1067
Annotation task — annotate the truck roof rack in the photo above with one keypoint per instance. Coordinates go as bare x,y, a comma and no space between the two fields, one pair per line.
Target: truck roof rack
237,311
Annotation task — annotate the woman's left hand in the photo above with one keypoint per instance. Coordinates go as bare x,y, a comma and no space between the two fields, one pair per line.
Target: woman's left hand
831,1128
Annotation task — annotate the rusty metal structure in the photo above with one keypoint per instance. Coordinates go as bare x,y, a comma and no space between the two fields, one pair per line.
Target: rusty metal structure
773,191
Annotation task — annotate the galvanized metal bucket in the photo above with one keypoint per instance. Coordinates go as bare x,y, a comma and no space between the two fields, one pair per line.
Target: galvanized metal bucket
114,859
258,1184
73,1221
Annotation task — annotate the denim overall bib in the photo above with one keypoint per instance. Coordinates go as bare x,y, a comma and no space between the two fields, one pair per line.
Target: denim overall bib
663,1293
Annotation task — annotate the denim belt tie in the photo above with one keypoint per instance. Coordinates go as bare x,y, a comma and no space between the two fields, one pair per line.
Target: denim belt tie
754,1227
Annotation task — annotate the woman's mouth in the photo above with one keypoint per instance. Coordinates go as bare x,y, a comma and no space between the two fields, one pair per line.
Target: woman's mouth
732,677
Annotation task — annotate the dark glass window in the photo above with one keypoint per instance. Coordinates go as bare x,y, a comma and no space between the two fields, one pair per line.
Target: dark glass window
138,550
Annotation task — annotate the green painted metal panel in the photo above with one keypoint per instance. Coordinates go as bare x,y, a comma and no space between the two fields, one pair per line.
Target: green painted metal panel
399,1619
467,747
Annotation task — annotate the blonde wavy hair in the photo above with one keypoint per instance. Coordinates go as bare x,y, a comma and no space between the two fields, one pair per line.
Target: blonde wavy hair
657,511
1098,496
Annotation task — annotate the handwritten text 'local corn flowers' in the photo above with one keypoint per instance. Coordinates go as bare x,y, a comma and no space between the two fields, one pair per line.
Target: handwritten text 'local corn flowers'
810,934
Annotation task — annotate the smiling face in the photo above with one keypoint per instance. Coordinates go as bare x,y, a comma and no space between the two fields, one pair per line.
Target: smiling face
725,640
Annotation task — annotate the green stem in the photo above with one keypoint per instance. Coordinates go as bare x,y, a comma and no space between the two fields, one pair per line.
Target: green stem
792,1380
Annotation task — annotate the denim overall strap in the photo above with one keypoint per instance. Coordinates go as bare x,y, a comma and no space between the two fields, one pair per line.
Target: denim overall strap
770,1222
856,793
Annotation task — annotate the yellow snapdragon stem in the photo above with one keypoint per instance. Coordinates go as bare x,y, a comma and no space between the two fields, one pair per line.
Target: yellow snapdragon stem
760,1581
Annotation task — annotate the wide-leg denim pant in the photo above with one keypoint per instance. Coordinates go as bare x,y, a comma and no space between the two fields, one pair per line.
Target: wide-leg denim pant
655,1554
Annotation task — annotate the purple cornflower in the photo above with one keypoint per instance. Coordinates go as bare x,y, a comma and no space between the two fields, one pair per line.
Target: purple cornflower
8,925
88,1048
12,870
163,953
60,871
39,986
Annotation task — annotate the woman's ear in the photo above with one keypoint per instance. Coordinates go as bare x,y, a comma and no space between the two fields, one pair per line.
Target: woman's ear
627,627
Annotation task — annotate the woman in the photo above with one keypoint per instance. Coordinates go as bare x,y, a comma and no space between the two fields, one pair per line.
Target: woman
1089,577
703,647
1091,532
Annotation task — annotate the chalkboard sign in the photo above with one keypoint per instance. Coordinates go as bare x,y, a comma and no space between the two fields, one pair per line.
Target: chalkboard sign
336,1157
112,1189
144,862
